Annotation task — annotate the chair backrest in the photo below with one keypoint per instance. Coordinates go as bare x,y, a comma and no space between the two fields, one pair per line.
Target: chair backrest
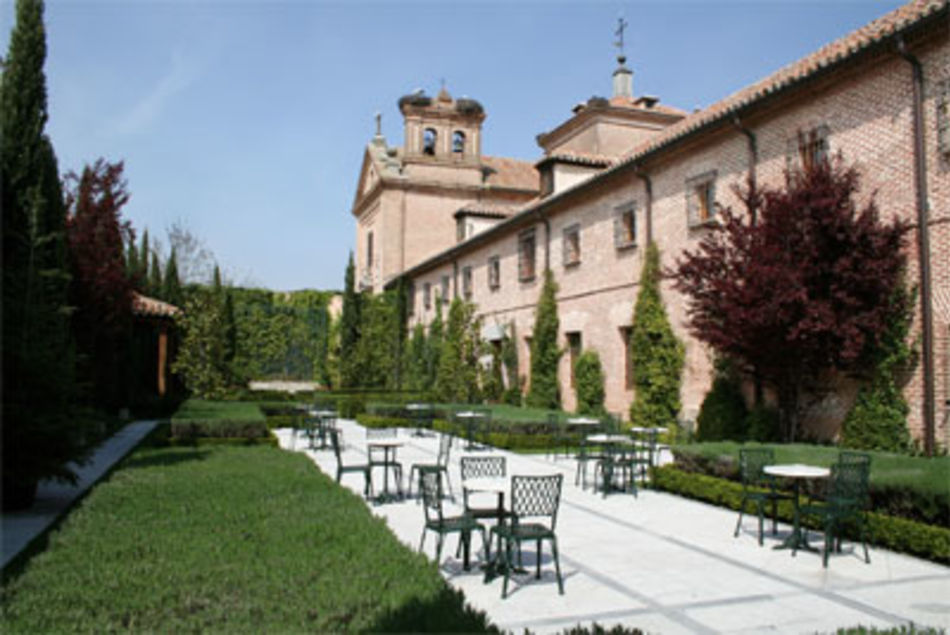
849,483
335,442
445,446
536,497
751,462
431,493
477,466
852,456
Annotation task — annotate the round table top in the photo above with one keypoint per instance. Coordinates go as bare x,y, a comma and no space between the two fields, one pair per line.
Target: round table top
469,414
797,470
486,484
583,421
418,406
384,443
609,438
656,430
323,413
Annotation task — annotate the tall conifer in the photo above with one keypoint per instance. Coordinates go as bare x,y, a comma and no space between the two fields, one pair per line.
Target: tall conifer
544,391
171,285
349,329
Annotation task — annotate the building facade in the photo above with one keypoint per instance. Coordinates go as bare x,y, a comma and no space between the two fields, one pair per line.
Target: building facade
623,171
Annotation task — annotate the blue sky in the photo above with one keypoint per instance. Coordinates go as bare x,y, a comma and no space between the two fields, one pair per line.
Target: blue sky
247,120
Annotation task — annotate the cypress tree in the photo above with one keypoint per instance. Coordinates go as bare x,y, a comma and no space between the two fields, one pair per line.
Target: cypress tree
544,391
143,262
349,329
658,356
450,383
416,362
155,277
39,438
132,268
171,287
434,345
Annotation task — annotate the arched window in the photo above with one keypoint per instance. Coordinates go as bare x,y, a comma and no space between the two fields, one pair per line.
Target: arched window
458,142
428,141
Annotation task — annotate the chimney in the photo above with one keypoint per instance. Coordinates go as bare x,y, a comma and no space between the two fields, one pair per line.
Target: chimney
623,79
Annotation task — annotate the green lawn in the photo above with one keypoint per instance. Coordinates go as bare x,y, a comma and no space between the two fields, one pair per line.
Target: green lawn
228,539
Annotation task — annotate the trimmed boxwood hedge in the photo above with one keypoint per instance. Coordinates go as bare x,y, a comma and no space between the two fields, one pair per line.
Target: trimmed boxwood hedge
501,434
899,534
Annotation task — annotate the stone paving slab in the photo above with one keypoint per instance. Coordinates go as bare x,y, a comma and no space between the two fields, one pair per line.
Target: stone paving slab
53,499
662,563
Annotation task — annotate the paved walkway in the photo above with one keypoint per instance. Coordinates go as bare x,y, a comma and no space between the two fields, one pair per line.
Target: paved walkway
665,564
54,499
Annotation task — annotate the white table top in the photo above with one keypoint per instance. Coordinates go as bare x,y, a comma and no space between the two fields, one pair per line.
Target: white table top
384,443
656,430
797,470
487,484
583,421
323,413
418,406
609,438
470,414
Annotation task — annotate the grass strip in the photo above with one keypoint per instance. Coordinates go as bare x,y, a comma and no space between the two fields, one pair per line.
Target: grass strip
229,539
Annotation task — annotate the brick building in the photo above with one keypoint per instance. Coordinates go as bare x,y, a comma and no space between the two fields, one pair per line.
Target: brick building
626,170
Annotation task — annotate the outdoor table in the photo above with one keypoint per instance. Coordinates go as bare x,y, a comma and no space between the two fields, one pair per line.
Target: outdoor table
582,421
323,424
389,447
797,472
609,439
470,417
650,435
499,485
417,410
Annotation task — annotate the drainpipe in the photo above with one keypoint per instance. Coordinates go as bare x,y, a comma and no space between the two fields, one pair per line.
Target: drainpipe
648,183
753,156
923,245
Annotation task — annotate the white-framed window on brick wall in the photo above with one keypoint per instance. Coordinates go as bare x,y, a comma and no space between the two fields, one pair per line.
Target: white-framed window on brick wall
467,283
571,243
494,273
427,295
701,199
526,255
625,225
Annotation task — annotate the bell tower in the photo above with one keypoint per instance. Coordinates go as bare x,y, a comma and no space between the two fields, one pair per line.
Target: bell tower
442,129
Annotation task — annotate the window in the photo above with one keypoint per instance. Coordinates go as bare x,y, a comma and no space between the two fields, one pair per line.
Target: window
494,273
458,142
626,335
445,289
943,117
467,283
574,351
701,198
427,295
369,251
813,147
571,243
429,138
547,180
460,229
526,249
625,226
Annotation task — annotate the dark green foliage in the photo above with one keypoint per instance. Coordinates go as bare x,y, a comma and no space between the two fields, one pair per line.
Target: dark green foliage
589,381
155,284
39,436
762,424
597,629
906,629
434,345
229,539
171,284
457,379
723,414
927,541
544,390
658,356
200,362
198,418
144,260
416,360
133,268
350,321
878,419
492,380
378,350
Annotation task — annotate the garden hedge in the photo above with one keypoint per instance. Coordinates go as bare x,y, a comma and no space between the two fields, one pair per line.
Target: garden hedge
898,534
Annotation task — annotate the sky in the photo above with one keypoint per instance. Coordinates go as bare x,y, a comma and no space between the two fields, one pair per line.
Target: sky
245,121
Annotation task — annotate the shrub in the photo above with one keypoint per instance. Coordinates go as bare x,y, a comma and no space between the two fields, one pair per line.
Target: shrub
589,380
723,412
763,424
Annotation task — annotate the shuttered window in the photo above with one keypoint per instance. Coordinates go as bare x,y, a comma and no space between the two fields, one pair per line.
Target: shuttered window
526,255
625,226
701,199
571,244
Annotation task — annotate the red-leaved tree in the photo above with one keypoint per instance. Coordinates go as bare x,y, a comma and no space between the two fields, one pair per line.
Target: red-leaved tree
101,291
802,283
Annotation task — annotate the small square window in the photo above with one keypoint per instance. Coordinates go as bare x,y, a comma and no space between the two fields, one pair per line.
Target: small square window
467,283
625,226
572,245
427,295
494,273
701,199
526,256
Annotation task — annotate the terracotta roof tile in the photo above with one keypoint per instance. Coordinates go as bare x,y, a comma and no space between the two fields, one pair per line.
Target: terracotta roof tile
836,51
579,158
635,103
150,307
511,173
487,210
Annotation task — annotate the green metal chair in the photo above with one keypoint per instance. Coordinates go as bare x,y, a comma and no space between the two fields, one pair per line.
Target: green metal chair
475,467
758,487
342,469
533,498
441,464
625,462
846,503
430,482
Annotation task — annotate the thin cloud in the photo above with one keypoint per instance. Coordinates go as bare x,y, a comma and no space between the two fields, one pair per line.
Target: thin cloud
182,74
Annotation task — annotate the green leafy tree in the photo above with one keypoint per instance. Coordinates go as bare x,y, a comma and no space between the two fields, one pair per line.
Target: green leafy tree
878,419
417,376
544,391
723,414
350,329
40,437
378,349
200,361
457,379
589,382
492,376
658,356
434,345
171,284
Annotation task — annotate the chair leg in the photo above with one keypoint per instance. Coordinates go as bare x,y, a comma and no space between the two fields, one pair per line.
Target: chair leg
537,560
557,565
761,510
448,482
739,522
438,550
422,539
507,566
412,470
